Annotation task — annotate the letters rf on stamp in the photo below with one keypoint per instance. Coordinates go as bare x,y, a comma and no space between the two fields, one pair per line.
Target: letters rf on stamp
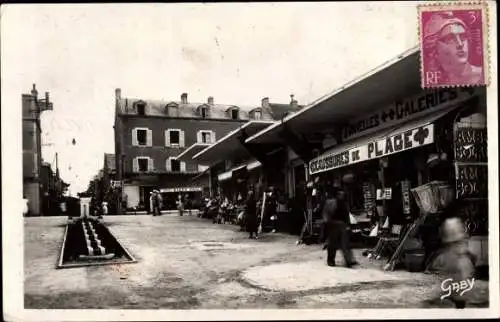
453,42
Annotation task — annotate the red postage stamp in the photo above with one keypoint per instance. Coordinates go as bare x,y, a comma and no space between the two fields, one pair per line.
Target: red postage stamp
453,44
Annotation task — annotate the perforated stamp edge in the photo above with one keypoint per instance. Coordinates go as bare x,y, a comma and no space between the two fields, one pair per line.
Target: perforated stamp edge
459,5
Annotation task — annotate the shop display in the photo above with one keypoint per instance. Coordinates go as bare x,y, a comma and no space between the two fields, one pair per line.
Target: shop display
433,197
405,190
369,197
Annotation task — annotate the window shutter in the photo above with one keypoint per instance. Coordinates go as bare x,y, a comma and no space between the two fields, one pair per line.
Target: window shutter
181,139
135,165
199,137
150,165
213,137
183,166
168,164
149,138
134,138
167,138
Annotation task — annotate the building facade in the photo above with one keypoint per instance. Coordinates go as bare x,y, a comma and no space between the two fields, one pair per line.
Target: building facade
32,108
150,134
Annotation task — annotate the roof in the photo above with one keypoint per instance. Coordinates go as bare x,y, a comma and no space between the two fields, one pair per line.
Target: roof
279,111
229,146
389,81
110,161
191,109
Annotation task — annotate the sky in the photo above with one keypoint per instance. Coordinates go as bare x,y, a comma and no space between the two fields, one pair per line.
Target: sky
238,53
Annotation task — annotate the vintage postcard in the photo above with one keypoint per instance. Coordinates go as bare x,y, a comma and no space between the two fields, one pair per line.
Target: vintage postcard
249,161
454,44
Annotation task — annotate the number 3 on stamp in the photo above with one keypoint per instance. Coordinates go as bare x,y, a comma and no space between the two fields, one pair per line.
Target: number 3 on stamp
453,44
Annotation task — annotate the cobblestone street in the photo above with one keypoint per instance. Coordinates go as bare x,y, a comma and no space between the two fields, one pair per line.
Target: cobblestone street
187,263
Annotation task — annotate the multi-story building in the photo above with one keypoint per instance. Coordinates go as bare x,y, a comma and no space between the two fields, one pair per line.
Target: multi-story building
32,148
150,134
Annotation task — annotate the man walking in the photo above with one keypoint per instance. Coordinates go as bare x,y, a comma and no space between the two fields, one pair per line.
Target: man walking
251,214
336,212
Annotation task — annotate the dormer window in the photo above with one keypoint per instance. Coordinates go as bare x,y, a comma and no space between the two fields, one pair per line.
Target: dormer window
233,113
203,111
256,114
172,110
141,108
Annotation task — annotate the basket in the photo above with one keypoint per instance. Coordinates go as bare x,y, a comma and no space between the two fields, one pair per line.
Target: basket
433,197
414,260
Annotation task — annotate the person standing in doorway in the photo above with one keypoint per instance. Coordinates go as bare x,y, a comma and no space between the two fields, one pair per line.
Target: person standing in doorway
336,212
251,214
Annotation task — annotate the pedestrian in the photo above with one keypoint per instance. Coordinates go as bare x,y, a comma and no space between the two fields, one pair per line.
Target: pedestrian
151,202
104,209
251,214
458,261
180,205
158,201
336,212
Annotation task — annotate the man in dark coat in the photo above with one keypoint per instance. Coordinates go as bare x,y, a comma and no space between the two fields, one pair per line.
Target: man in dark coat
251,214
336,214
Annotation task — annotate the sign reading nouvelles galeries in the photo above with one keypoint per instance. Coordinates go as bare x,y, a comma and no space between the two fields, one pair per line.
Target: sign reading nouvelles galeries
401,111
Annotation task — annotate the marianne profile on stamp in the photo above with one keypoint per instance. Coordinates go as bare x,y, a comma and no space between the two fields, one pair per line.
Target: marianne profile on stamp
450,46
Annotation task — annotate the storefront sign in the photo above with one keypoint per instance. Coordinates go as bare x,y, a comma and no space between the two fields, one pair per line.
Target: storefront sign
181,189
116,183
471,181
427,102
376,149
471,144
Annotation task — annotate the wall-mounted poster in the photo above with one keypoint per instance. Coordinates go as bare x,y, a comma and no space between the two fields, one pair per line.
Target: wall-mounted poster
471,160
405,190
369,197
384,194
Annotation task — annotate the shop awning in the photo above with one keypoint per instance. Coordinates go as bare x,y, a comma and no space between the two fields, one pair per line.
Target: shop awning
406,136
397,77
248,166
230,147
253,165
187,155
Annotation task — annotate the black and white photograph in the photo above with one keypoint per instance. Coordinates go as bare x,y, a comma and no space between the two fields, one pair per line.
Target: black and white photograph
248,161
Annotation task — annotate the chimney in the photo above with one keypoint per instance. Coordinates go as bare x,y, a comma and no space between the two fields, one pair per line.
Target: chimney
34,92
265,102
118,93
293,102
184,98
210,100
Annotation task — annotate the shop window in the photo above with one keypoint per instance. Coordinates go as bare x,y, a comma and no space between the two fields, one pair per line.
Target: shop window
142,137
